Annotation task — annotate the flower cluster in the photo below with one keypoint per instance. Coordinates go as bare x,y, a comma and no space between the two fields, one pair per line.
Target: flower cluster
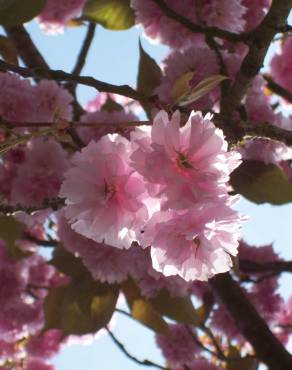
167,189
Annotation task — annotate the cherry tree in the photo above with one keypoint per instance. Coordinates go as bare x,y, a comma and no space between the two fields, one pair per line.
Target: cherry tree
134,192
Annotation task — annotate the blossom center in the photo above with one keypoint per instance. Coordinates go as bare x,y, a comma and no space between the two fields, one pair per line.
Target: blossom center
183,162
109,191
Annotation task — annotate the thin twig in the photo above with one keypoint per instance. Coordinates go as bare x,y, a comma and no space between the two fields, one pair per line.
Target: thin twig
42,243
196,28
53,204
59,75
126,124
278,89
80,63
131,357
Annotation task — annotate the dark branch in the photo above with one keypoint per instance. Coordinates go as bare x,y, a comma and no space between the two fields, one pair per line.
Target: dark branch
85,49
197,28
273,267
260,41
58,75
267,347
40,242
27,50
131,357
278,89
53,204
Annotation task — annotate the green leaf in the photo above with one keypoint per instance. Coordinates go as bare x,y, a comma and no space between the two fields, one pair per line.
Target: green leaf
201,89
111,105
8,50
142,310
67,263
113,14
19,11
243,363
10,231
149,76
261,183
81,307
182,86
178,309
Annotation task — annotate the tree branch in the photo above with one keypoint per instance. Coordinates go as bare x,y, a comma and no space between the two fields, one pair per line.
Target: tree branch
27,50
54,204
85,49
131,357
58,75
261,38
267,347
197,28
278,89
256,267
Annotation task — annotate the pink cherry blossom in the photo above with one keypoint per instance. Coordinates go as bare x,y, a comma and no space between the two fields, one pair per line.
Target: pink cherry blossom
105,263
202,61
44,345
52,102
184,164
255,12
40,176
265,150
257,104
281,65
194,244
37,364
104,117
159,27
179,346
228,15
103,193
203,364
16,102
57,14
153,282
223,324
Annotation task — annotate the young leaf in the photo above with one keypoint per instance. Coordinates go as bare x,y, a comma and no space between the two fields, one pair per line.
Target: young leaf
178,309
149,76
261,183
243,363
142,310
81,307
20,11
182,87
201,89
10,231
113,14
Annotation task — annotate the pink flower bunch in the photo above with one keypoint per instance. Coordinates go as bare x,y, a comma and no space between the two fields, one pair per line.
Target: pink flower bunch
228,15
57,14
22,294
40,175
255,12
105,263
200,60
104,194
22,102
108,124
179,346
166,189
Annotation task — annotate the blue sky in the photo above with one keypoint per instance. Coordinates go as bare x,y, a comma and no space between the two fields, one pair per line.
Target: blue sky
114,58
